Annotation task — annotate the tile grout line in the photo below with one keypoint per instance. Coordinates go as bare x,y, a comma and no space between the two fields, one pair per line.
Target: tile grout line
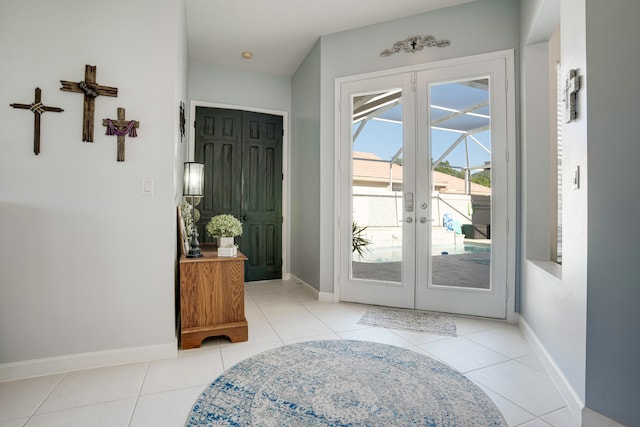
47,397
135,405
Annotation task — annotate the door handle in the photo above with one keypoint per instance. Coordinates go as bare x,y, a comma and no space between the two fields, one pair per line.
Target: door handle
424,220
244,217
409,220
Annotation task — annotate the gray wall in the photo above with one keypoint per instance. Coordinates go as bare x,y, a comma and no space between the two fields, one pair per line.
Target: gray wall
238,87
584,313
86,260
305,170
553,298
613,284
477,27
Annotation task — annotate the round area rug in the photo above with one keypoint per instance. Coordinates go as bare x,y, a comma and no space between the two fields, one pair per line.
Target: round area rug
343,383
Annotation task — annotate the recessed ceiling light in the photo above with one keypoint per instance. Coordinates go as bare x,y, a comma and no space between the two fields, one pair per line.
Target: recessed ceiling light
247,55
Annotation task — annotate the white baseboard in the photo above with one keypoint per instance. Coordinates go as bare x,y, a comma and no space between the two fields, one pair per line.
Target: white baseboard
574,402
326,297
75,362
321,296
591,418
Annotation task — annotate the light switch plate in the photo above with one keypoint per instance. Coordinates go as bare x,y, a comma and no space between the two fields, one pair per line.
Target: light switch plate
147,186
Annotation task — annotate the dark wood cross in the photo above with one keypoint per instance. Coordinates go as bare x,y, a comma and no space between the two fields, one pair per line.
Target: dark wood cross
37,109
91,90
121,128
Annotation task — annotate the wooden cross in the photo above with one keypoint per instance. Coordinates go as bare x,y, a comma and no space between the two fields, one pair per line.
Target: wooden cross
37,109
91,90
121,127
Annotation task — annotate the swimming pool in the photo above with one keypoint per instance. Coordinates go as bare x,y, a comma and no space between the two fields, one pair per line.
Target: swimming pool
394,253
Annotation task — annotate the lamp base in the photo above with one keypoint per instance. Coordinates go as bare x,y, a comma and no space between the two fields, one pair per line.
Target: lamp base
194,253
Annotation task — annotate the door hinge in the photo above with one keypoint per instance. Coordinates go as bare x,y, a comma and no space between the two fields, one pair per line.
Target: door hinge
282,132
194,124
507,294
507,225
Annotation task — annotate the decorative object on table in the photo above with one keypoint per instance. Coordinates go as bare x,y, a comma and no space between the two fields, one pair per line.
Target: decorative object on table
347,383
414,44
91,90
121,128
189,216
410,320
571,88
37,108
224,228
183,121
193,185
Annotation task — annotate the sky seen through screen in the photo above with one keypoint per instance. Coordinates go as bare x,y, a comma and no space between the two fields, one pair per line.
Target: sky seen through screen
384,138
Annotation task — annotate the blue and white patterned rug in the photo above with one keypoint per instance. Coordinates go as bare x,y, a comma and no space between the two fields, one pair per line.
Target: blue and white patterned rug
343,383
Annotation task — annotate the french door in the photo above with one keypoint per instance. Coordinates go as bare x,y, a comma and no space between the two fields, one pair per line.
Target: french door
424,198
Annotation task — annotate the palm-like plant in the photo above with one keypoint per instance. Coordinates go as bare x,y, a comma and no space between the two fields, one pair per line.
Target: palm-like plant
358,242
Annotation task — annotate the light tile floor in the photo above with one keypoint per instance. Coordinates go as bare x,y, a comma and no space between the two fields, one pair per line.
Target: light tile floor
160,393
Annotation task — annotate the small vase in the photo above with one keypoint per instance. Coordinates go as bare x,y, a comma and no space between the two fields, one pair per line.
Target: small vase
225,242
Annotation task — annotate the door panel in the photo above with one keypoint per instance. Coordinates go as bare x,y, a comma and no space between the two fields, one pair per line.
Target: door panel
262,195
218,146
462,120
242,153
375,203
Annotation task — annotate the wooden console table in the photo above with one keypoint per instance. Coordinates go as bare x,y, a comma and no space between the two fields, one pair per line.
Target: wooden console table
212,298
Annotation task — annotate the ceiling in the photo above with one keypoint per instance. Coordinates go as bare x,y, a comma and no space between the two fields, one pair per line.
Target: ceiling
280,33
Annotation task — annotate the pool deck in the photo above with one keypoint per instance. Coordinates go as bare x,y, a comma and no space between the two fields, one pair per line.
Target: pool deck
467,270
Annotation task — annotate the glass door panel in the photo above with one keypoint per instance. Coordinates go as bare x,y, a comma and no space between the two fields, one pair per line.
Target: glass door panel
460,137
377,178
376,220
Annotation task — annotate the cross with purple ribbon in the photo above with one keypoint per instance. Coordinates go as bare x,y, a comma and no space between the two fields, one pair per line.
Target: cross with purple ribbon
121,128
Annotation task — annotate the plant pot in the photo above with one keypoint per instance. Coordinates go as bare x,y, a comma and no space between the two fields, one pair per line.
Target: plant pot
225,242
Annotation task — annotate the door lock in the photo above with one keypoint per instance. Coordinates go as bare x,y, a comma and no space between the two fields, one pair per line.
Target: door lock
408,202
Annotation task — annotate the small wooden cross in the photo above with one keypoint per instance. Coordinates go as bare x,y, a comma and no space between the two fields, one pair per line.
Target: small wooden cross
37,109
91,90
122,128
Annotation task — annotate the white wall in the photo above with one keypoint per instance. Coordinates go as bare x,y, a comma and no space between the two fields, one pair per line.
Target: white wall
87,260
478,27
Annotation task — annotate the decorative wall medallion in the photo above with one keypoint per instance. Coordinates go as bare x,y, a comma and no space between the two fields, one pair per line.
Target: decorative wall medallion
414,44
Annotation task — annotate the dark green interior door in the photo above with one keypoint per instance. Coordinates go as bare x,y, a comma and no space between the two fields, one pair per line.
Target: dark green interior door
242,153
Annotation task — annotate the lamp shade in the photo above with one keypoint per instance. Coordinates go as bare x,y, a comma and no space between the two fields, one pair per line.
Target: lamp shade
193,181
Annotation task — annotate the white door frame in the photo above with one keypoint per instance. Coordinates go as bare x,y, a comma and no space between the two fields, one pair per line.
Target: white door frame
511,218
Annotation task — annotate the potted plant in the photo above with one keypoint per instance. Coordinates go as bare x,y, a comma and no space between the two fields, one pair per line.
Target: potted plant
224,228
